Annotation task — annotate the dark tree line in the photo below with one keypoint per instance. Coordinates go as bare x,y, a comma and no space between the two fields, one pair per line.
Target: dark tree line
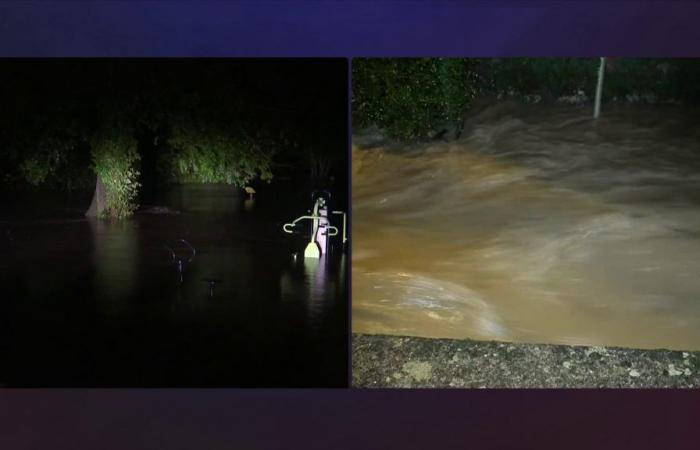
415,98
78,123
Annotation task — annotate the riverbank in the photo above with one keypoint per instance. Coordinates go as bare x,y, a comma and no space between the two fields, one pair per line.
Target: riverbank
410,362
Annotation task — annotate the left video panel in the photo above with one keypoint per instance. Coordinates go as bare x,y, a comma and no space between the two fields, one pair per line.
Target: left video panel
173,222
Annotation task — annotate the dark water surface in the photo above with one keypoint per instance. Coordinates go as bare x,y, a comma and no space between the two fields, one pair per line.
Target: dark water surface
98,303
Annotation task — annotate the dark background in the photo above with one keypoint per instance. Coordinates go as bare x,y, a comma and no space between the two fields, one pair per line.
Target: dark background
347,419
336,419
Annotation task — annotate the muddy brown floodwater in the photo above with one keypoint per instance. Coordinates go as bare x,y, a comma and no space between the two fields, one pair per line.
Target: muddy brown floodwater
537,226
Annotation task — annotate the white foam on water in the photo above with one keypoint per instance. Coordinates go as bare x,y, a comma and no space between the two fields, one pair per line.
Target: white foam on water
439,302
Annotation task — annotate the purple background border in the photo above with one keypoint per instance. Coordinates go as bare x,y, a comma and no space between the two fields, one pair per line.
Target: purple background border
347,419
337,419
349,28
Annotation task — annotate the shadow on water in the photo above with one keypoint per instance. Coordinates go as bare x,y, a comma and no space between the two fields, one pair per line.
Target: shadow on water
98,303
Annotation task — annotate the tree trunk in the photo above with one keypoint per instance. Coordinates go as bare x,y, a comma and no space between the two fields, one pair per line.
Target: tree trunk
99,200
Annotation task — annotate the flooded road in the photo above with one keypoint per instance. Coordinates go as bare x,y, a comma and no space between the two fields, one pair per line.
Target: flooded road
99,303
536,226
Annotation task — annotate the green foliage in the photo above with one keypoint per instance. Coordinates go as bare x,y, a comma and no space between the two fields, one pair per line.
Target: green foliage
42,159
115,157
636,76
625,78
209,152
410,98
664,79
36,168
47,150
548,77
50,162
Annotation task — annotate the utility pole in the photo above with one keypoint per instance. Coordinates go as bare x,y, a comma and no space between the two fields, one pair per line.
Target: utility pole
599,89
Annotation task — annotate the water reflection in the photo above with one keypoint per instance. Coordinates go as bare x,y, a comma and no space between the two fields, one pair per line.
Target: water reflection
116,263
537,226
234,269
316,280
109,308
205,198
319,281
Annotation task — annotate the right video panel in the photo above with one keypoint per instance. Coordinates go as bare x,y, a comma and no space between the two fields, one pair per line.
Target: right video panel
526,222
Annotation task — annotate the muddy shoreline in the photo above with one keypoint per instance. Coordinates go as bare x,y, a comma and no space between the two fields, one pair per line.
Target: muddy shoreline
381,361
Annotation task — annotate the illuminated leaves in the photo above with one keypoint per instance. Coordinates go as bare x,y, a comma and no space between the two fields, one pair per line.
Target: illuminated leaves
410,98
115,158
218,153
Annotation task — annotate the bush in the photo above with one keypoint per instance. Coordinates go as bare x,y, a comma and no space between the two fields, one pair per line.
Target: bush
547,77
660,79
410,98
208,153
48,152
115,157
37,168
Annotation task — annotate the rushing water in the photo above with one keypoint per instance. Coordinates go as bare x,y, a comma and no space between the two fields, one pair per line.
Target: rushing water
538,225
99,303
